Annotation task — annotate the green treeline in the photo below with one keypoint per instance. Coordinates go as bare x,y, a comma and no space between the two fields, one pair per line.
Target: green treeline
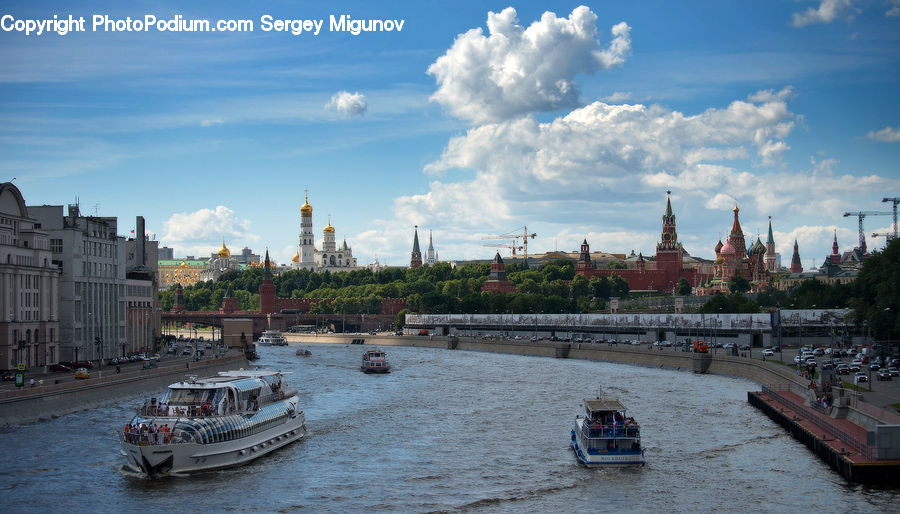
552,288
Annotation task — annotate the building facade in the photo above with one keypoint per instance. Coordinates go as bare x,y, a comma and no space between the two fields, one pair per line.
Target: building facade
29,286
92,297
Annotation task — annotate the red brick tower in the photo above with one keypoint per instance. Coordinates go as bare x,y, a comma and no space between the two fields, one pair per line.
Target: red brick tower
770,249
179,299
796,266
497,282
267,289
229,302
584,258
415,260
835,251
669,253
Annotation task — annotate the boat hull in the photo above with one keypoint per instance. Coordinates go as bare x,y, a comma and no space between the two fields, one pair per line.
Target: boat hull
158,460
593,458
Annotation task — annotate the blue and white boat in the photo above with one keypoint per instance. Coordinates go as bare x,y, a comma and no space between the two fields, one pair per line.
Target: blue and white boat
605,435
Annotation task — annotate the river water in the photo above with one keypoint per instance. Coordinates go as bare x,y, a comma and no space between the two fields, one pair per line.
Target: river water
453,431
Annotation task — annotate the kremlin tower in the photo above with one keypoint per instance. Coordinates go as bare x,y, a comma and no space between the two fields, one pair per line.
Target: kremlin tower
415,260
796,266
835,256
497,282
267,289
770,250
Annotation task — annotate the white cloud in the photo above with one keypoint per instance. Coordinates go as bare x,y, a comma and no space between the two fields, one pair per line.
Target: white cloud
348,104
205,227
894,10
828,11
602,145
515,71
210,123
617,97
887,134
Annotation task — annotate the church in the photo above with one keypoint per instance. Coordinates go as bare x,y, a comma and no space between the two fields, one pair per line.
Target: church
332,257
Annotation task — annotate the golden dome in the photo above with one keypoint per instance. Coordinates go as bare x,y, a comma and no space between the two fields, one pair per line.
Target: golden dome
224,252
328,228
296,257
306,208
184,264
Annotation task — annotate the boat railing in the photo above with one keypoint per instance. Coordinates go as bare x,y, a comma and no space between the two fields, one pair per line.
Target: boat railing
608,431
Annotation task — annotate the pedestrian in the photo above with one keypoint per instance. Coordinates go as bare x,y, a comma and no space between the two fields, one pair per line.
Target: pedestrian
41,382
32,382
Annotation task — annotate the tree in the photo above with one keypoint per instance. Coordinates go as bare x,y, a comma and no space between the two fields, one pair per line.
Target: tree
735,303
683,288
738,284
876,297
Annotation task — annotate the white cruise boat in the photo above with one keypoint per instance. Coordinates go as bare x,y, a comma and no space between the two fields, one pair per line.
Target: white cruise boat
213,423
375,361
272,338
605,435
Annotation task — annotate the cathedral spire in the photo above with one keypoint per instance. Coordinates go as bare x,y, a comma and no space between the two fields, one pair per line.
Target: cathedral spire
668,204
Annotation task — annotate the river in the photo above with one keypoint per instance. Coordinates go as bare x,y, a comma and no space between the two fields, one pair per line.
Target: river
453,431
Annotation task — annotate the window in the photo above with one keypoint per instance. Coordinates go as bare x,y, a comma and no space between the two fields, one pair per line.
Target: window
56,245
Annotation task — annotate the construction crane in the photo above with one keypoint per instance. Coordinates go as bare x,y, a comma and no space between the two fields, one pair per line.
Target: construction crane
891,237
862,215
512,246
515,236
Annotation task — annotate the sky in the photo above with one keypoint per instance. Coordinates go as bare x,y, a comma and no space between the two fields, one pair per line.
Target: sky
468,119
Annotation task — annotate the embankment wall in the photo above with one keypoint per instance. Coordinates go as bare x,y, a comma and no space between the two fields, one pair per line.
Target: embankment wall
50,401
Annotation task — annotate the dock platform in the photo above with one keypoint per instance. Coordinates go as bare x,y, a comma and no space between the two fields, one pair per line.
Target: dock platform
840,443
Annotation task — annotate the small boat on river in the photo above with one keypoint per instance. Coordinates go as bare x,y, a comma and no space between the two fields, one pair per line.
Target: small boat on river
272,338
213,423
605,435
303,352
375,361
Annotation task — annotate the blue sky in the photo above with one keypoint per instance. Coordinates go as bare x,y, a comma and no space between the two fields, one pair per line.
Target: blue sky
477,119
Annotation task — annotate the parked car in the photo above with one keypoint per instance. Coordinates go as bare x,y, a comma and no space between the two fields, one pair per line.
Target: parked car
82,373
884,374
9,375
187,350
59,367
860,377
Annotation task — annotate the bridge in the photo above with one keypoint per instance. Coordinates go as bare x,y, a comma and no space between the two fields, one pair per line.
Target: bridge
283,320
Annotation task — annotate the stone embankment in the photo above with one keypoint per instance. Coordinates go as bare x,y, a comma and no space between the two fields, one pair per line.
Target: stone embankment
49,401
763,373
